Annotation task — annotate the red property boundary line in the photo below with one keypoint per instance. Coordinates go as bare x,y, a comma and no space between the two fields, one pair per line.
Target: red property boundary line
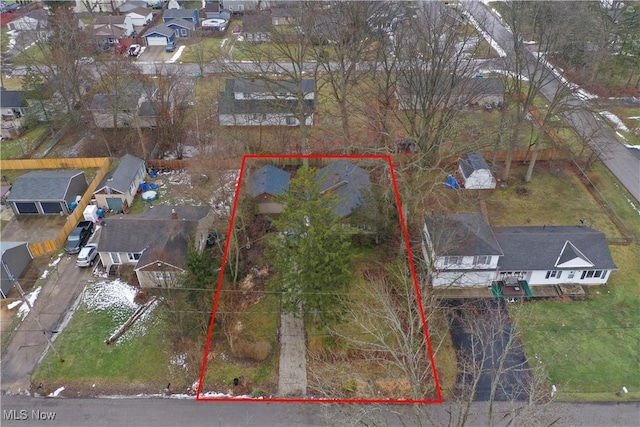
405,233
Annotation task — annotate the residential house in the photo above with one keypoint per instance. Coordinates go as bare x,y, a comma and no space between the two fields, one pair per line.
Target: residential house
12,106
183,28
36,21
462,250
258,103
266,183
140,16
131,5
241,6
211,9
118,188
475,172
108,6
131,106
191,15
160,35
15,257
256,28
284,15
155,242
412,93
46,192
349,183
108,30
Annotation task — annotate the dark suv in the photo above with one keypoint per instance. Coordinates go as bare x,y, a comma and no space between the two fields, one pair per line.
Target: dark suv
79,237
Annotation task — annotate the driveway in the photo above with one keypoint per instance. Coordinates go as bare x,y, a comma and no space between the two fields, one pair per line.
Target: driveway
31,228
59,294
155,54
481,332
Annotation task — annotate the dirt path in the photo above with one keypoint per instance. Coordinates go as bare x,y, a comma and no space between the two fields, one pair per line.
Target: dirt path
292,379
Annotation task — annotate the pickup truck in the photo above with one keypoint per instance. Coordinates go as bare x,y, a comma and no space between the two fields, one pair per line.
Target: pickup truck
79,237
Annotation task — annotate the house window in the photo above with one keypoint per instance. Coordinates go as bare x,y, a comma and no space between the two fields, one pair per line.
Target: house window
481,260
133,256
291,121
593,274
571,274
246,95
452,260
184,32
553,273
115,257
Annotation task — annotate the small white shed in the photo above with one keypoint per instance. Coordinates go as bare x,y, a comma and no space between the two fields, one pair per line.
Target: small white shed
475,172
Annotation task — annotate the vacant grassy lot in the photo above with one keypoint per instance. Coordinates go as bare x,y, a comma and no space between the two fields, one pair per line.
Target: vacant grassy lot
21,145
589,348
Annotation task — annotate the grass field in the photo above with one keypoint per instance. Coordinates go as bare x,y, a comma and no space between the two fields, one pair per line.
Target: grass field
589,348
21,145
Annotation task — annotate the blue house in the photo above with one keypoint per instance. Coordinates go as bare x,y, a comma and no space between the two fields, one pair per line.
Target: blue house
264,184
186,14
160,35
182,27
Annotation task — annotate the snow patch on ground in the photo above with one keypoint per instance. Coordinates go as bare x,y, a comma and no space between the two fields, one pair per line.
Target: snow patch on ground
31,297
222,200
180,360
177,55
57,392
615,120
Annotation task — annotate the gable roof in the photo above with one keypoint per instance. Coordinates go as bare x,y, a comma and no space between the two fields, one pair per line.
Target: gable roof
182,23
347,182
270,180
472,162
117,20
131,5
11,98
259,23
154,233
188,14
141,11
161,29
542,248
462,234
37,14
122,176
282,87
5,246
42,185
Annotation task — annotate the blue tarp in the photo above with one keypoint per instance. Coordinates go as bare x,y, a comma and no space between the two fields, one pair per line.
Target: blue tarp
452,183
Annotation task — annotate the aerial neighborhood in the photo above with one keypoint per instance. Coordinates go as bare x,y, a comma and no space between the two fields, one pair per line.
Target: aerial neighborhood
426,202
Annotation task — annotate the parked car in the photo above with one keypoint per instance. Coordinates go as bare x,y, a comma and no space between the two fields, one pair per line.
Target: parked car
87,255
79,237
134,49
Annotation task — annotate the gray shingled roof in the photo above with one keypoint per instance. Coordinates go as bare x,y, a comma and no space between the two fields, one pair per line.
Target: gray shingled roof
270,180
120,178
538,248
257,24
42,185
5,246
11,98
154,233
348,182
182,23
261,86
180,13
472,162
462,234
230,105
161,29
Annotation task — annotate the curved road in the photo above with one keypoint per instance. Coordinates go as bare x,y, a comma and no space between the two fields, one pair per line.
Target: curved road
620,161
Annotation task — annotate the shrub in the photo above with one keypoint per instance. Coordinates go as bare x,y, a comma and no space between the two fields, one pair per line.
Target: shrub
258,351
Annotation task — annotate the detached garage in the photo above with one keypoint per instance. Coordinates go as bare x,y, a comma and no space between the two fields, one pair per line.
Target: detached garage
15,258
160,35
46,192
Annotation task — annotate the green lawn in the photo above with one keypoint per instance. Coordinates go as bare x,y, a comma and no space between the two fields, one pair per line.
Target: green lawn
589,348
204,50
21,145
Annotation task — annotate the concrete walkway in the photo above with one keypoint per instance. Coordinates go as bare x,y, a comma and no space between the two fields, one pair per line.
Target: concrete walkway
292,380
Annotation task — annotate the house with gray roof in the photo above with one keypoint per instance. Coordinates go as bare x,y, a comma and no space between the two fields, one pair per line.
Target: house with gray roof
155,242
266,183
160,35
475,172
460,249
463,250
46,192
12,103
119,186
349,183
183,28
191,15
254,102
257,28
128,107
15,257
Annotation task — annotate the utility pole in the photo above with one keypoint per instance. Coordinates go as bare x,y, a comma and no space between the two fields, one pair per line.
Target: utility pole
26,300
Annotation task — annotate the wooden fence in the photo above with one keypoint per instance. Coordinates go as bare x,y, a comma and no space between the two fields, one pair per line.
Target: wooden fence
102,163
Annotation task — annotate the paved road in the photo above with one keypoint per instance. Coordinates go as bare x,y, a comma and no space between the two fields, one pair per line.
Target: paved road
25,349
618,158
178,412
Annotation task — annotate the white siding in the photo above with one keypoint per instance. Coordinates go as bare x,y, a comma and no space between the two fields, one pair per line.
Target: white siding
539,278
261,120
480,179
460,279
